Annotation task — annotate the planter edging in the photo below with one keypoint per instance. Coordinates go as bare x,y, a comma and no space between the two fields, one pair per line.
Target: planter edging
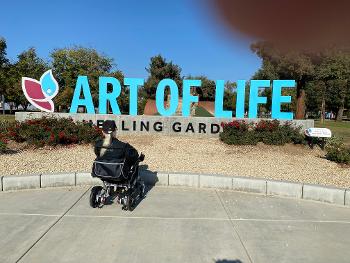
332,195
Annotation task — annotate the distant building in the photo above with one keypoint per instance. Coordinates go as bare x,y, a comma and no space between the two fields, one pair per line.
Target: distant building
151,108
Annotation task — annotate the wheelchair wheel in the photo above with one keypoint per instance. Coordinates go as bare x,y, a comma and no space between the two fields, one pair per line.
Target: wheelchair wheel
142,190
94,201
127,203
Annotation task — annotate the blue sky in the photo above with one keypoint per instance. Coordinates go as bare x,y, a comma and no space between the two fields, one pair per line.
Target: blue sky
189,34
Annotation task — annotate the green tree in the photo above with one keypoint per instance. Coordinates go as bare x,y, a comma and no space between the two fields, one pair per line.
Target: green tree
334,72
69,63
28,65
347,102
316,92
4,67
296,65
230,96
267,71
124,98
207,90
159,69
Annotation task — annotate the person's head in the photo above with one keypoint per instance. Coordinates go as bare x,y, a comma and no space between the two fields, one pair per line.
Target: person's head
109,128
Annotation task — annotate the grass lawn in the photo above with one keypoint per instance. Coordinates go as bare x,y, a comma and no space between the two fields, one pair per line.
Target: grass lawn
7,117
339,129
201,112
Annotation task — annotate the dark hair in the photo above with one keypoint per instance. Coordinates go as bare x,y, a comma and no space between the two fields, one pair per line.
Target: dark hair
109,126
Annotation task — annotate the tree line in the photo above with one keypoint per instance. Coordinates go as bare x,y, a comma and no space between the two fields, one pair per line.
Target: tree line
322,78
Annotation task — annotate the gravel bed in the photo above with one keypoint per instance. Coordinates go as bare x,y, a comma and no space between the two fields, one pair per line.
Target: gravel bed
195,155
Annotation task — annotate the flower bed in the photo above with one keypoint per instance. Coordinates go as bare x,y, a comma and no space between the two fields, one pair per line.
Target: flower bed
268,132
49,131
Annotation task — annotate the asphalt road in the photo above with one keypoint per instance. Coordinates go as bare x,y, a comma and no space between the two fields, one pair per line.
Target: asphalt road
171,225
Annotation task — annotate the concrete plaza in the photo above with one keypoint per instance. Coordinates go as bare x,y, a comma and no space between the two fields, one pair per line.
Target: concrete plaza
171,225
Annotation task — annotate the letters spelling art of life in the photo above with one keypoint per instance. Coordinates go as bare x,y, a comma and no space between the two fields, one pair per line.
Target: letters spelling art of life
82,96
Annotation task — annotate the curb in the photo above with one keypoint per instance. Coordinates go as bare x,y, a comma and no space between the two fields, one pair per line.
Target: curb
331,195
283,188
32,181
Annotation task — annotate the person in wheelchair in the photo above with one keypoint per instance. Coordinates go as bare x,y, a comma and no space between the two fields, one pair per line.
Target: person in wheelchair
116,164
111,149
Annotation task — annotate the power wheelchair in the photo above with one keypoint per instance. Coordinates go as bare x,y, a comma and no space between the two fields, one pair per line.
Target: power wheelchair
119,182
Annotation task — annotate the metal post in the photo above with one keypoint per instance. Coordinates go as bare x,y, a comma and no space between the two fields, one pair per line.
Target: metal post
3,104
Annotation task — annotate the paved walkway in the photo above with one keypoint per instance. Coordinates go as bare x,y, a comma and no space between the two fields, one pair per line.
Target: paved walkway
171,225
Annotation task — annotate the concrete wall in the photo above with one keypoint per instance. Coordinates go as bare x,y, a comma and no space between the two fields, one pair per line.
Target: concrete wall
190,126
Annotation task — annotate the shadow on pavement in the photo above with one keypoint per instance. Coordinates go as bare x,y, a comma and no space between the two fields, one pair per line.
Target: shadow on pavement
149,177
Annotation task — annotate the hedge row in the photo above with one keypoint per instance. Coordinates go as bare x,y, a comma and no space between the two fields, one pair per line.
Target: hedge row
268,132
54,131
48,131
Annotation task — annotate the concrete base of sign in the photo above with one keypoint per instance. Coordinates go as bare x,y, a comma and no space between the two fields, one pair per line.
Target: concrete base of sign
174,125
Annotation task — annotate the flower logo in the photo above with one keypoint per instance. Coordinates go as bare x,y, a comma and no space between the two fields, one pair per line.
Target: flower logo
40,93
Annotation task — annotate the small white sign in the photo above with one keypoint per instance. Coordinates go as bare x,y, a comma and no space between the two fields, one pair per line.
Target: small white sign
318,132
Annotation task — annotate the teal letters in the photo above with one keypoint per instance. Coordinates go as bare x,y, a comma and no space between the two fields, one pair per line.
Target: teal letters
277,99
82,88
254,98
111,97
187,97
82,85
134,84
174,97
219,101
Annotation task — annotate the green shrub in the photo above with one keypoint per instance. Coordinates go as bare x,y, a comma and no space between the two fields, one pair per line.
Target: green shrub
238,133
239,137
268,132
3,144
337,151
273,133
4,126
53,131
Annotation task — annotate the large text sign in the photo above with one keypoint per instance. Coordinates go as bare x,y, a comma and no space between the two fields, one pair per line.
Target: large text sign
82,97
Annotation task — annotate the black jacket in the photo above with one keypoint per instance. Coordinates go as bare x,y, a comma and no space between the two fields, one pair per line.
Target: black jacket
117,151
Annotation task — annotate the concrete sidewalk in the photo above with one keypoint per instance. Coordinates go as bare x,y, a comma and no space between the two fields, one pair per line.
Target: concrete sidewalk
171,225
